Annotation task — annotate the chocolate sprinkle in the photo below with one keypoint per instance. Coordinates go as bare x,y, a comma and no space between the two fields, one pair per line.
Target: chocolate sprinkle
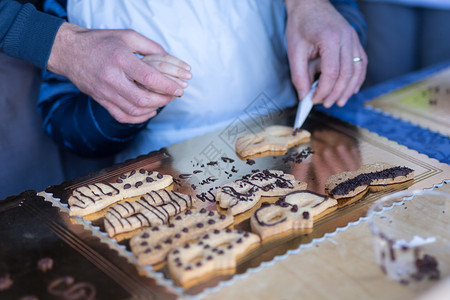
250,162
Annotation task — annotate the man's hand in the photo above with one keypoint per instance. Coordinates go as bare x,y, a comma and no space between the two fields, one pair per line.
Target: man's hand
103,64
319,39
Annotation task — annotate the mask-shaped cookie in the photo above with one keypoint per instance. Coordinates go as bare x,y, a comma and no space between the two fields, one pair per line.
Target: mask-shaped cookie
216,251
154,208
241,195
273,138
296,210
152,245
95,197
352,183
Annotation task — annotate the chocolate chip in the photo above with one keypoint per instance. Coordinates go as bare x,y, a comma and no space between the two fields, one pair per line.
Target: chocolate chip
171,225
179,265
228,230
158,247
138,184
294,208
186,246
148,250
145,235
206,246
178,218
220,252
119,180
200,243
132,173
229,246
203,210
142,171
216,231
222,217
209,257
200,225
168,241
211,221
159,176
177,235
155,228
246,234
144,243
305,215
188,268
185,229
206,236
123,176
211,213
198,264
127,186
239,241
188,212
176,251
149,179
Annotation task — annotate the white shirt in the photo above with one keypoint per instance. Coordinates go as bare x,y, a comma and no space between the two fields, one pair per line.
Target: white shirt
236,50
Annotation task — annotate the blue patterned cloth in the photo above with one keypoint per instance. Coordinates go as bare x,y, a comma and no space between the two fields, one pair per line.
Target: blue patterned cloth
433,144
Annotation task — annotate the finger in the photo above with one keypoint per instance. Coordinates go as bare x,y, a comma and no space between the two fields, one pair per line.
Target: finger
358,76
121,115
363,63
181,82
139,98
346,70
168,68
329,73
151,78
167,58
299,71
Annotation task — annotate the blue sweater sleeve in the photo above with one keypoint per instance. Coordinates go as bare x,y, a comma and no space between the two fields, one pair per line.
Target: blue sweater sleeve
75,121
350,11
26,33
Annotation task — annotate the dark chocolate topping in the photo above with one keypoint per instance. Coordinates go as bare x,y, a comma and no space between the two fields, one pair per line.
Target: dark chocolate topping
349,185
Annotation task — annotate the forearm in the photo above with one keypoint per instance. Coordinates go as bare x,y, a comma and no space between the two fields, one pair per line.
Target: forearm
26,33
350,11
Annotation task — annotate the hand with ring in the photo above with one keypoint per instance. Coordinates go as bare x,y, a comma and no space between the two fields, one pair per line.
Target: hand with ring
319,39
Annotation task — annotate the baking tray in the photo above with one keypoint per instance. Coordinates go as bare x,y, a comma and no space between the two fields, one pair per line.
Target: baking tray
337,147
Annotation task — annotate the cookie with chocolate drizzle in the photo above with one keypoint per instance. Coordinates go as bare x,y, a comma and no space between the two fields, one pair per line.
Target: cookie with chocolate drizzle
351,183
152,245
153,208
296,210
95,197
242,194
